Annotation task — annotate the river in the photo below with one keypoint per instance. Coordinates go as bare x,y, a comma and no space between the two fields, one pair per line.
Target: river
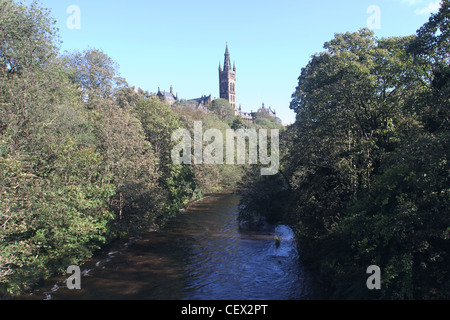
202,254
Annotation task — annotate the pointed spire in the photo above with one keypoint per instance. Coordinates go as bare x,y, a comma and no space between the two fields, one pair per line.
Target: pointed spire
227,63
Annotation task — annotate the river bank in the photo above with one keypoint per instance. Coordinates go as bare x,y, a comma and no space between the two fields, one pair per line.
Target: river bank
201,254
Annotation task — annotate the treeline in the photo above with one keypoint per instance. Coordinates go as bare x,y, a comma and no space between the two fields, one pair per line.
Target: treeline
364,171
84,158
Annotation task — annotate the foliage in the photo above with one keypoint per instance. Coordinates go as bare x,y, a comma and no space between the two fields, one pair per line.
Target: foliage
210,178
366,164
223,109
258,206
94,73
174,179
84,158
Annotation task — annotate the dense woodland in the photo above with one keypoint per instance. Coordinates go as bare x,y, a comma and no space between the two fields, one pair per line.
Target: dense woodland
364,178
364,171
85,158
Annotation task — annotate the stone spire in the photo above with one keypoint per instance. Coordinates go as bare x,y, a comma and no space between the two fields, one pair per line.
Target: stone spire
227,63
227,80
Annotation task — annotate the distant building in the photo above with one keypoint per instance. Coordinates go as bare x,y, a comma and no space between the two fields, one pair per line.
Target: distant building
227,88
247,116
251,116
202,102
167,97
227,80
268,111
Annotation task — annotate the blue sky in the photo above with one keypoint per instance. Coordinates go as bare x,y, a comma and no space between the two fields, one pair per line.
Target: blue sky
180,43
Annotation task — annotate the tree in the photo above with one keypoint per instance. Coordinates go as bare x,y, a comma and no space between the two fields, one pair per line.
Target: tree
366,163
28,37
95,74
28,44
431,50
223,109
238,123
62,166
126,97
159,121
130,164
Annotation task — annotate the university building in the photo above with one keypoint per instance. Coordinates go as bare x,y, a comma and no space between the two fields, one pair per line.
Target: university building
227,89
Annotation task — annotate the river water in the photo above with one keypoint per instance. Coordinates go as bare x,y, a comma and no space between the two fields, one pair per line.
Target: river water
200,255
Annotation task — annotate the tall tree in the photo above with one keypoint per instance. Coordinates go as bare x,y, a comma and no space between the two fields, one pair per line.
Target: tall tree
28,44
431,50
95,74
359,158
223,109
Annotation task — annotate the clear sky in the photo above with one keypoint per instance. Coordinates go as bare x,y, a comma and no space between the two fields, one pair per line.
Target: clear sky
181,42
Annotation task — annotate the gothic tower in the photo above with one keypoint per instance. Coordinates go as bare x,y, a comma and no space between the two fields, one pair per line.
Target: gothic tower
227,80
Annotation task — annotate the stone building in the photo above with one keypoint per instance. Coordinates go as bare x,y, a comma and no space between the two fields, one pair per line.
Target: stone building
227,87
168,97
201,103
227,80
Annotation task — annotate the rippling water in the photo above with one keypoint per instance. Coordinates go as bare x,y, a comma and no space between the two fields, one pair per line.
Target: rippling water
201,254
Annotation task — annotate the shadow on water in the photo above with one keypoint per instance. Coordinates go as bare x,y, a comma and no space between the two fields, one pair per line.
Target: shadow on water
201,254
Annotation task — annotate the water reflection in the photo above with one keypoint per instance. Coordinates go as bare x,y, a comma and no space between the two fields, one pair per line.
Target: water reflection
202,254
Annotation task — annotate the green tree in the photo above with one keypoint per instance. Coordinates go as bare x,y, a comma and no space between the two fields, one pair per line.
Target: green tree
126,97
431,50
366,165
55,186
223,109
95,74
28,39
239,123
159,121
130,164
28,45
